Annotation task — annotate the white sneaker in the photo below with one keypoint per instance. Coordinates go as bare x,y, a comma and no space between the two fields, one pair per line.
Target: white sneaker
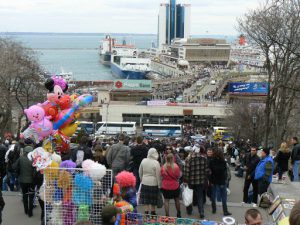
254,205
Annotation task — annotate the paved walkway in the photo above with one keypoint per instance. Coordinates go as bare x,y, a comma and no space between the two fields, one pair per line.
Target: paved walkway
14,215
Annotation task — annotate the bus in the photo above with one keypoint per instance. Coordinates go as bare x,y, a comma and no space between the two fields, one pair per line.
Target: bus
87,127
222,133
98,125
162,130
116,128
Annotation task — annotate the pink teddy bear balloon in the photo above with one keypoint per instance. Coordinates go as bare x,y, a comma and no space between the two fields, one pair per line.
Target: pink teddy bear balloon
39,122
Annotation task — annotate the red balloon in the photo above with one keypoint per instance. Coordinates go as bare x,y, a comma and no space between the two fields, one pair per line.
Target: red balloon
50,109
64,102
62,142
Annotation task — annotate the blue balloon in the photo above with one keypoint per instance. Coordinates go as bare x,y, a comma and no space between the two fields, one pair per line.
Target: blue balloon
59,123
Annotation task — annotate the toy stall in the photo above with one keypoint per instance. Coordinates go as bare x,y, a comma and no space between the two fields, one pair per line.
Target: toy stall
285,194
73,194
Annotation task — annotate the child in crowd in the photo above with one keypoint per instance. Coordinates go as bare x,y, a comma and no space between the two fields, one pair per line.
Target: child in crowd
2,204
109,215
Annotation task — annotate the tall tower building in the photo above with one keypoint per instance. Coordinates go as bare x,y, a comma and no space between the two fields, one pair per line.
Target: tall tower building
173,22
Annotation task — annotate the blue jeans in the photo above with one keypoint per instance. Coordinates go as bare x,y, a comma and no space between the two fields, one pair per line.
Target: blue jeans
222,190
4,184
12,180
296,166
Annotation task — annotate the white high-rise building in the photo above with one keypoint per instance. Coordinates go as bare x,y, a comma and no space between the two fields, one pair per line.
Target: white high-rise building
173,22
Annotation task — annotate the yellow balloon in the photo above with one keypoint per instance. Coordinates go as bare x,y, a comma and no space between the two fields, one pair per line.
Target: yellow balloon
70,129
73,97
77,115
51,172
48,146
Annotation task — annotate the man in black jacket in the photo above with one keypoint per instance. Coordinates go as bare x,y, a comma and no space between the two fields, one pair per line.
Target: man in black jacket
3,150
295,158
2,204
251,162
138,153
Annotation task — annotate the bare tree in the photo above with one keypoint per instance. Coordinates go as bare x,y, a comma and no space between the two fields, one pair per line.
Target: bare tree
20,82
275,29
246,121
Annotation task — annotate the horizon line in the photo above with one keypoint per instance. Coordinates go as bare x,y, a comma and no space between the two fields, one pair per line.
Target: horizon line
105,33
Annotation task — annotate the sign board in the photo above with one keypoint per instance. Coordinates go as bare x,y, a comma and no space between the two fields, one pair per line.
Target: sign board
249,88
133,85
188,112
157,103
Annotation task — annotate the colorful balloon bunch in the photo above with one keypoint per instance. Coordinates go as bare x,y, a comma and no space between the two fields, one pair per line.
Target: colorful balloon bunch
55,120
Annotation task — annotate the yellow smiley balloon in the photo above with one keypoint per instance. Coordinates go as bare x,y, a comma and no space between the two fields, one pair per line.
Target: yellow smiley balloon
48,146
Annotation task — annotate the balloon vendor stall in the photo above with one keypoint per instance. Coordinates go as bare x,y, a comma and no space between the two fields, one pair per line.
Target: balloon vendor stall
75,194
70,194
54,121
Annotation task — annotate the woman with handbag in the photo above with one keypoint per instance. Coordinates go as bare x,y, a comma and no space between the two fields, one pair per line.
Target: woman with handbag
149,173
170,174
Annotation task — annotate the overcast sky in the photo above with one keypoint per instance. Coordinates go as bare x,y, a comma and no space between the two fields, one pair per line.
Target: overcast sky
116,16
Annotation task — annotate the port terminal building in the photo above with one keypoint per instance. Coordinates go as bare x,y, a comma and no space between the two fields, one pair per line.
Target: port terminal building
130,100
198,51
160,112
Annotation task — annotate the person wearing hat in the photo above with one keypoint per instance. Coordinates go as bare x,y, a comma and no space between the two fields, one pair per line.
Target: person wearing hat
264,171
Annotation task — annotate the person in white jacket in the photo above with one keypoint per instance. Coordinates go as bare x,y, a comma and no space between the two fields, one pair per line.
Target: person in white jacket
149,173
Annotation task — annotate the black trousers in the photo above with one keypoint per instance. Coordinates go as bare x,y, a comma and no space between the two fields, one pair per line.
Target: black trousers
262,186
0,216
247,184
2,175
28,196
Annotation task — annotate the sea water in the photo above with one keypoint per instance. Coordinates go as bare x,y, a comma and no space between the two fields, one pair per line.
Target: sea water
79,53
76,53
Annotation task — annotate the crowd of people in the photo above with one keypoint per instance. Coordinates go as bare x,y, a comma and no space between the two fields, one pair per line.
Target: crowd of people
161,167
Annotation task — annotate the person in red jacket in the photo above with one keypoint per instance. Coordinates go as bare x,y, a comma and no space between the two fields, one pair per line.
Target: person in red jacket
170,173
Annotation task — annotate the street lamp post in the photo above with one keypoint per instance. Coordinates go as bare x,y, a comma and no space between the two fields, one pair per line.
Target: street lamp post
107,106
239,132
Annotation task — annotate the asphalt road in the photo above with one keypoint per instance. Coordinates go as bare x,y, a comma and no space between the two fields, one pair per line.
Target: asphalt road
13,213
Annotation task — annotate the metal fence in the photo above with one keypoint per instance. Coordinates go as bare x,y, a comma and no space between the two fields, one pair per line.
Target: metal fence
73,195
140,219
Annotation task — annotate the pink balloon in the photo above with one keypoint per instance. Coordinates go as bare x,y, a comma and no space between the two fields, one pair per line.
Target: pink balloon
39,122
35,113
44,128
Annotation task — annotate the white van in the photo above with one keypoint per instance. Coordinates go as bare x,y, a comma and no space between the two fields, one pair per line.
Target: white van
112,128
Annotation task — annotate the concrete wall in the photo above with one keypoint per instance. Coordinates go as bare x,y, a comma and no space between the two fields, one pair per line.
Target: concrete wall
114,112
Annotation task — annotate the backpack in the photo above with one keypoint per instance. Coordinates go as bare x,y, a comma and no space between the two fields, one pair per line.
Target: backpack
265,200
